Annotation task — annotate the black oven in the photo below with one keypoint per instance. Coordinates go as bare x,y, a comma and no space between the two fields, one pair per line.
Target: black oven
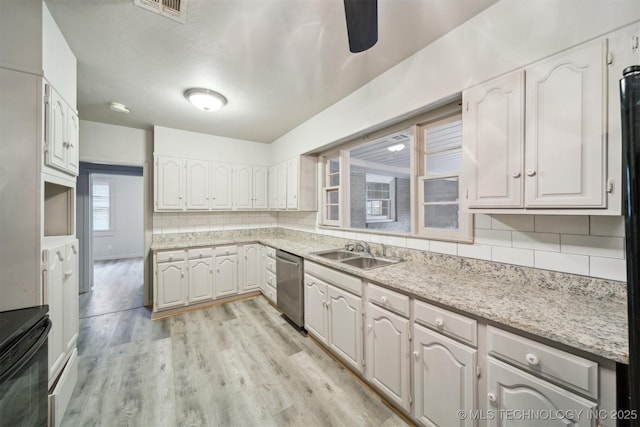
24,367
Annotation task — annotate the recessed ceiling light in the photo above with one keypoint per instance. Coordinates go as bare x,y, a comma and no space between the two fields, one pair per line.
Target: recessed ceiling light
395,148
118,108
205,99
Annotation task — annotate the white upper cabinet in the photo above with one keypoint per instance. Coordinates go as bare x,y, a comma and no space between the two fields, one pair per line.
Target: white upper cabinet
292,182
537,138
282,185
566,129
170,183
493,135
260,179
273,187
221,184
61,134
243,191
197,185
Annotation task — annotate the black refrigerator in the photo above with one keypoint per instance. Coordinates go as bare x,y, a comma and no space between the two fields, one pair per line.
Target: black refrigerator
630,112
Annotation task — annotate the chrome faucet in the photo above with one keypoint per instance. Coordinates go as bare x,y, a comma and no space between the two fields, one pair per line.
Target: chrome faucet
362,246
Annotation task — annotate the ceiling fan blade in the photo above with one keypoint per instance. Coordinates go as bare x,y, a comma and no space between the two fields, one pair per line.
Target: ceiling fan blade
362,23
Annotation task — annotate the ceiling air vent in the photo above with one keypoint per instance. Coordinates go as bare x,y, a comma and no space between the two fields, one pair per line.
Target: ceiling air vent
174,9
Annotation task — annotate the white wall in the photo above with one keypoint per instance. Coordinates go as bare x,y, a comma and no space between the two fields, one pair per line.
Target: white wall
176,142
58,61
506,36
127,238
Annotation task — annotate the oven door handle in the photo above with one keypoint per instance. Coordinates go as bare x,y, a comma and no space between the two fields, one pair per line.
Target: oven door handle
9,367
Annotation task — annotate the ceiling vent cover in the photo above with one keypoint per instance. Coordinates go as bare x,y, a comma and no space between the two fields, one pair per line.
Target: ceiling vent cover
174,9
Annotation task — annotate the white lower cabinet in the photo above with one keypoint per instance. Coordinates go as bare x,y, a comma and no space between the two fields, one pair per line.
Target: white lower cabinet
444,379
170,286
387,354
200,280
315,312
345,325
333,315
512,391
250,266
60,281
226,274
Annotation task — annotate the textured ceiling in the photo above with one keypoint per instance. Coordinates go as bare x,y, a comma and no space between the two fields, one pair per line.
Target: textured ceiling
279,62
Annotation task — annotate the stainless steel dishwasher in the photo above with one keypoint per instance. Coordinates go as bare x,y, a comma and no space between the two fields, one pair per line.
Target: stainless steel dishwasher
290,287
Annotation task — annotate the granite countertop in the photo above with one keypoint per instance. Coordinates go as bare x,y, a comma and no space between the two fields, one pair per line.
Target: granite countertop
593,323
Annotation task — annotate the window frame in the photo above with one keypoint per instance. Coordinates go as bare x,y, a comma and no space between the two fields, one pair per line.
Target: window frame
389,181
328,188
464,232
111,228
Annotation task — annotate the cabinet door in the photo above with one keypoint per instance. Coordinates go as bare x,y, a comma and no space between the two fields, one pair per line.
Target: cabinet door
387,353
56,131
70,297
444,379
226,281
493,139
73,139
345,326
171,283
566,129
292,182
315,308
282,185
260,187
197,185
221,185
273,187
170,185
250,278
54,296
200,280
243,189
513,390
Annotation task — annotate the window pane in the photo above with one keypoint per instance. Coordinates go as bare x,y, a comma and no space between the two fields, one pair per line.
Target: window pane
333,212
447,135
441,190
101,199
445,162
334,180
441,216
334,166
333,197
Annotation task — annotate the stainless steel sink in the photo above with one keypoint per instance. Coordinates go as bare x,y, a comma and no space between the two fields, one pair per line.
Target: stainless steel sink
366,263
337,254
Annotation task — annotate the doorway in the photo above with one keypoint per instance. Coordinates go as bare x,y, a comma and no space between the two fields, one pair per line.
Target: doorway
110,227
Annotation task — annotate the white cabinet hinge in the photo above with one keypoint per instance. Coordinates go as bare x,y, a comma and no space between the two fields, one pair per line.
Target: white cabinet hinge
610,58
478,371
467,106
410,399
634,43
611,185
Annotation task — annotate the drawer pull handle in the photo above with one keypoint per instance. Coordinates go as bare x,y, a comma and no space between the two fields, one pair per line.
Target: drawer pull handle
492,397
532,359
531,172
439,322
516,175
416,354
383,299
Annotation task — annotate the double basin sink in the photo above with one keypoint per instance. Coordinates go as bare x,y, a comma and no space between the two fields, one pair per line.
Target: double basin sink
356,259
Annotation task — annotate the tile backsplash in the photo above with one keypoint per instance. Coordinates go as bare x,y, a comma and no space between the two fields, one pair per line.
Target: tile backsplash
584,245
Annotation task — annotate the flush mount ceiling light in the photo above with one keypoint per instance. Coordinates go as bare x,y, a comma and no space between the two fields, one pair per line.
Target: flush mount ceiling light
205,99
395,148
118,108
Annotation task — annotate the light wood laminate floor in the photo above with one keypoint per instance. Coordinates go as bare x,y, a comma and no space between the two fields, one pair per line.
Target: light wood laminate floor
117,285
237,364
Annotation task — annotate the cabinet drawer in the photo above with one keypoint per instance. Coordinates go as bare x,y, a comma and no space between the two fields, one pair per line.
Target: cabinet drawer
566,369
271,293
200,253
335,277
168,256
270,264
226,250
270,279
271,252
388,299
447,323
